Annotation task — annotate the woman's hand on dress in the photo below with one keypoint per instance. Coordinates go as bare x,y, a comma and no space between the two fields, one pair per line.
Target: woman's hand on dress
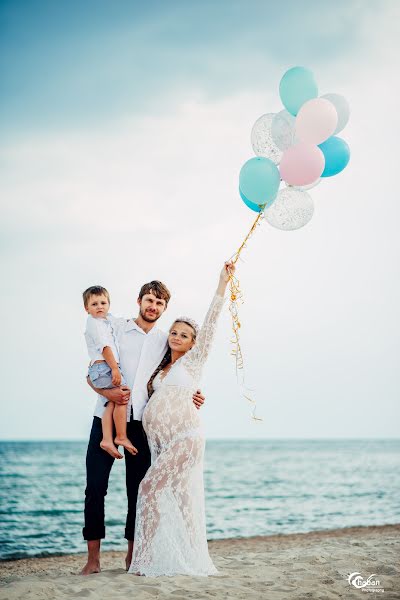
198,399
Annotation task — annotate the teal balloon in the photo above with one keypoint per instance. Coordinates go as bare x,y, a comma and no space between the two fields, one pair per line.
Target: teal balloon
296,87
249,204
337,155
259,180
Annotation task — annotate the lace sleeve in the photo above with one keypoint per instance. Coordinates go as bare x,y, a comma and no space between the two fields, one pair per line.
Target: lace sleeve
197,356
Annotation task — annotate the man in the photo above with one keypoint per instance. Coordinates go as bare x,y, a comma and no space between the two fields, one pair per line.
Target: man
141,348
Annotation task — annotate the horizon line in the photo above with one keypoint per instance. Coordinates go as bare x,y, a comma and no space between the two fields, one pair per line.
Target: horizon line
80,440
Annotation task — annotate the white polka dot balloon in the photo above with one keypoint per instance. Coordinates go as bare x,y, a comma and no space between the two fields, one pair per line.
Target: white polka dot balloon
292,209
283,130
261,139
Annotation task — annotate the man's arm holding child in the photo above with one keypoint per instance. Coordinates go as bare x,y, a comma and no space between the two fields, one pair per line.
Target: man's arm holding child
118,395
122,394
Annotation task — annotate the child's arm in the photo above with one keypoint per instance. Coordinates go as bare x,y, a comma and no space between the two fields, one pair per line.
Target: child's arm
112,363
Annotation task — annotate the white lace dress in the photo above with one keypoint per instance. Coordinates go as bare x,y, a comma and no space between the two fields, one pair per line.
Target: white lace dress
170,532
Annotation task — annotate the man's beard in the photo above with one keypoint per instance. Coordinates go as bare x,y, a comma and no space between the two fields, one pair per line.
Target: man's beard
145,318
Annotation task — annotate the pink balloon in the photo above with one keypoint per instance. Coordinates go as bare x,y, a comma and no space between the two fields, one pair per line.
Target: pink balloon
302,164
316,121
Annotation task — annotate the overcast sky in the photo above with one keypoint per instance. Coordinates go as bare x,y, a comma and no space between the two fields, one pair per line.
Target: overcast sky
123,129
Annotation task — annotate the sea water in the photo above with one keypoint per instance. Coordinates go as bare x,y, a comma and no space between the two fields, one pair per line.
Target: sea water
252,488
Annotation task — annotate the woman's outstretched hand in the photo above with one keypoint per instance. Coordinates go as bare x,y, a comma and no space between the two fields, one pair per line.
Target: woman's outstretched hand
227,270
229,267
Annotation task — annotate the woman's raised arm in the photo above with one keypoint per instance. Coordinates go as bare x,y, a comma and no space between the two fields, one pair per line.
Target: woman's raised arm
197,356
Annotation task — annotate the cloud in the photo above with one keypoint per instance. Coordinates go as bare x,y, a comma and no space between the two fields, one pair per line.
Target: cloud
94,63
143,174
156,197
153,194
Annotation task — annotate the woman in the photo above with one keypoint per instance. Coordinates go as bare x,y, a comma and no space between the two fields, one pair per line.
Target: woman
170,533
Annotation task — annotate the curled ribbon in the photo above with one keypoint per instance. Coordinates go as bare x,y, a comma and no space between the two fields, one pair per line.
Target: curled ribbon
235,297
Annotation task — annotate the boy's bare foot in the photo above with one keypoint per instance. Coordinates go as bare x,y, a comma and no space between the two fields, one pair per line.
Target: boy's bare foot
126,443
91,567
110,448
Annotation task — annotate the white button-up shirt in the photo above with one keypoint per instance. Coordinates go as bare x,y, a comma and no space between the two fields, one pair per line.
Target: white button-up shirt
99,333
140,354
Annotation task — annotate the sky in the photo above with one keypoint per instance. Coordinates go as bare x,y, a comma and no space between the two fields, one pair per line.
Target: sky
123,130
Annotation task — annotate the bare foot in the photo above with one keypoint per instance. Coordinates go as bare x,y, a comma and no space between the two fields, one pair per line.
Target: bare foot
110,448
126,443
91,567
129,553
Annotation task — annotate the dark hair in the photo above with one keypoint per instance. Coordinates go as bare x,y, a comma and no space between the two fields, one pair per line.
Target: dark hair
94,290
157,288
163,363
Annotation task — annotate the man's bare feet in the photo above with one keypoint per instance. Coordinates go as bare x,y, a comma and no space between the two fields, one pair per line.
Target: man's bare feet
126,443
93,559
91,567
110,448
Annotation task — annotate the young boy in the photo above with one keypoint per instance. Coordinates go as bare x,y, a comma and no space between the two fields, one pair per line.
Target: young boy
104,369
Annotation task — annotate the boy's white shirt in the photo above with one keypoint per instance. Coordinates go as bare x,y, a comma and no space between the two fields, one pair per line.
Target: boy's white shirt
140,354
99,333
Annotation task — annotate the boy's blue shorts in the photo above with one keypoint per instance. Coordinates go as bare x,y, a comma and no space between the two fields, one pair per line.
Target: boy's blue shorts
100,376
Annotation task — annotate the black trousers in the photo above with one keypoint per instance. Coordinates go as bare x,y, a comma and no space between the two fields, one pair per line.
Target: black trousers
98,467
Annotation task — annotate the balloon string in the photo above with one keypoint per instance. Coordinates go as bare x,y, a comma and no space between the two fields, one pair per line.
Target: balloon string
236,254
236,296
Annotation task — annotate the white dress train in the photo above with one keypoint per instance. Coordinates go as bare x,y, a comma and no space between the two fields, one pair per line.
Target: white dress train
170,531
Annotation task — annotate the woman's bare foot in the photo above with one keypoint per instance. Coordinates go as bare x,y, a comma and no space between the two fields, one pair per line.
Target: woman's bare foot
110,448
91,567
126,443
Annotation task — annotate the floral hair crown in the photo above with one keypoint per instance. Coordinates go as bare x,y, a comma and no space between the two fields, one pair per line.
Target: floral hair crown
190,322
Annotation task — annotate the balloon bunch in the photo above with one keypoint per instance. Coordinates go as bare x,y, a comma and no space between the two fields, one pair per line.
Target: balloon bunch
302,140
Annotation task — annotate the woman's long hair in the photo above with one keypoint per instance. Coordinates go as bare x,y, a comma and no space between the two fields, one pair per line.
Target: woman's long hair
167,356
164,362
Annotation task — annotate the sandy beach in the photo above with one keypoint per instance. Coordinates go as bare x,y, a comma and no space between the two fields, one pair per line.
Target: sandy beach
311,566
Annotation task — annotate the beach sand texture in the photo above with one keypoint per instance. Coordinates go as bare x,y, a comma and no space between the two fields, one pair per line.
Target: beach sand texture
297,566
